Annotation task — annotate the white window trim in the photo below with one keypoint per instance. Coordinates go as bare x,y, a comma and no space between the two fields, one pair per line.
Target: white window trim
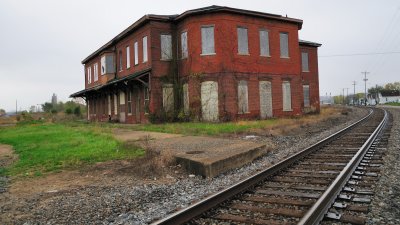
128,57
95,72
145,52
269,49
247,37
186,55
89,74
171,56
280,51
136,47
201,40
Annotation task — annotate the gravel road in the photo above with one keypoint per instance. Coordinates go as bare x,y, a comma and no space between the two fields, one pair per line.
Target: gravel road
144,202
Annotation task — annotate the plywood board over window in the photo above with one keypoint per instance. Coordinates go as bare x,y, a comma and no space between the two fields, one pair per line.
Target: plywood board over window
209,101
306,94
287,96
264,43
184,45
185,91
265,99
304,62
168,97
166,46
115,104
243,97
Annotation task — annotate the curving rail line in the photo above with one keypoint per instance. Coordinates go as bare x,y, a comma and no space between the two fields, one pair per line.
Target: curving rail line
298,190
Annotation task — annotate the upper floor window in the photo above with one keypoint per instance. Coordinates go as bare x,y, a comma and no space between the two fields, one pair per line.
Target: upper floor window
243,43
264,43
96,72
184,45
284,44
207,40
145,56
89,75
120,60
166,46
304,62
128,57
136,53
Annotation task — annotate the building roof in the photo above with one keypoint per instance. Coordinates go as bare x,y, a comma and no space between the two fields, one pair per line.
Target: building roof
390,93
309,43
176,17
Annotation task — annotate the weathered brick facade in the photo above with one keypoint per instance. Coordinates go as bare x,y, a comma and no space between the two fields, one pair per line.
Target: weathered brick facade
132,94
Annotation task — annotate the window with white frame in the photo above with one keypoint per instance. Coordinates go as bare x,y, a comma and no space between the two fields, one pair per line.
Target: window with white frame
89,75
284,44
306,94
243,97
243,42
96,72
136,53
287,96
145,56
166,46
120,60
128,57
264,43
207,40
184,45
304,62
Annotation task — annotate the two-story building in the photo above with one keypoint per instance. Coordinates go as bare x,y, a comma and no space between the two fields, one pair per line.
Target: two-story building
214,63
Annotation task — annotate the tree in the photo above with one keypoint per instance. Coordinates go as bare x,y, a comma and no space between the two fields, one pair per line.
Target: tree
393,86
2,112
47,107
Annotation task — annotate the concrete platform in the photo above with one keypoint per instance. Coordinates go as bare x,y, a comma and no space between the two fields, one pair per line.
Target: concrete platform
208,156
130,135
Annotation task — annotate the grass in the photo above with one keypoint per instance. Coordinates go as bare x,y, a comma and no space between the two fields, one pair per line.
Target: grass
275,126
47,147
393,103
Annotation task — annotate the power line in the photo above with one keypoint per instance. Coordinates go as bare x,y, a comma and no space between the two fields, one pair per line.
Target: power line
360,54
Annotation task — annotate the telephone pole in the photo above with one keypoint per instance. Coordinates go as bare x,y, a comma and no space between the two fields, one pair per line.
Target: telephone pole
347,96
354,95
365,87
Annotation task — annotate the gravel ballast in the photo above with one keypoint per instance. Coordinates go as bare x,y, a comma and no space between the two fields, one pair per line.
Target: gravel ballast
145,202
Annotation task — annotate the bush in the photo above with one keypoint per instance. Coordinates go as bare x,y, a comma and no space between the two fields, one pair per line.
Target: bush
68,111
77,111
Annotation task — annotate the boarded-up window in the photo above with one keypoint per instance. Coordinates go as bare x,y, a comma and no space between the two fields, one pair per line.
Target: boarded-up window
287,96
128,57
96,72
243,43
129,101
115,104
184,45
284,44
207,40
120,60
168,97
265,99
306,94
89,110
109,104
209,100
146,100
89,75
136,46
166,46
185,91
145,56
304,62
122,98
243,97
264,43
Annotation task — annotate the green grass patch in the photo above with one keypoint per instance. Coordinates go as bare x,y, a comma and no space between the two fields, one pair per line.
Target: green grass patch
393,103
198,128
43,148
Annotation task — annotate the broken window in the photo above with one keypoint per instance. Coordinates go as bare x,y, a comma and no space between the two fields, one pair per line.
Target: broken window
207,40
306,94
185,88
243,43
145,56
287,96
304,62
136,46
264,43
184,45
168,97
166,46
128,57
284,44
243,103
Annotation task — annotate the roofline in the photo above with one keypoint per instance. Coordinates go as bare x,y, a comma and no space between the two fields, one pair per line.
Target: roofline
309,43
167,18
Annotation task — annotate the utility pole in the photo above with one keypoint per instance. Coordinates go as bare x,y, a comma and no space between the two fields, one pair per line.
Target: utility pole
354,94
343,96
16,106
365,87
347,96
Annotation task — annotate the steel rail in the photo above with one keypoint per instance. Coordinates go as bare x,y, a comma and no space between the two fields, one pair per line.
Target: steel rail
317,212
210,202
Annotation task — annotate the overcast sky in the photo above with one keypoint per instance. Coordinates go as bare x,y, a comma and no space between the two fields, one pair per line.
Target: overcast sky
43,41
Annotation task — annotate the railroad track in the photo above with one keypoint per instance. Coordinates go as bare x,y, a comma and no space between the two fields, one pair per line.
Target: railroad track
329,181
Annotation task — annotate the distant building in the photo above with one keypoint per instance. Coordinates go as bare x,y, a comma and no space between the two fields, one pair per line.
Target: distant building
54,99
326,100
384,96
218,63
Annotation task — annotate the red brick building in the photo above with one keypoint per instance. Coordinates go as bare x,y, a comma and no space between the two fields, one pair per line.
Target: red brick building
214,63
